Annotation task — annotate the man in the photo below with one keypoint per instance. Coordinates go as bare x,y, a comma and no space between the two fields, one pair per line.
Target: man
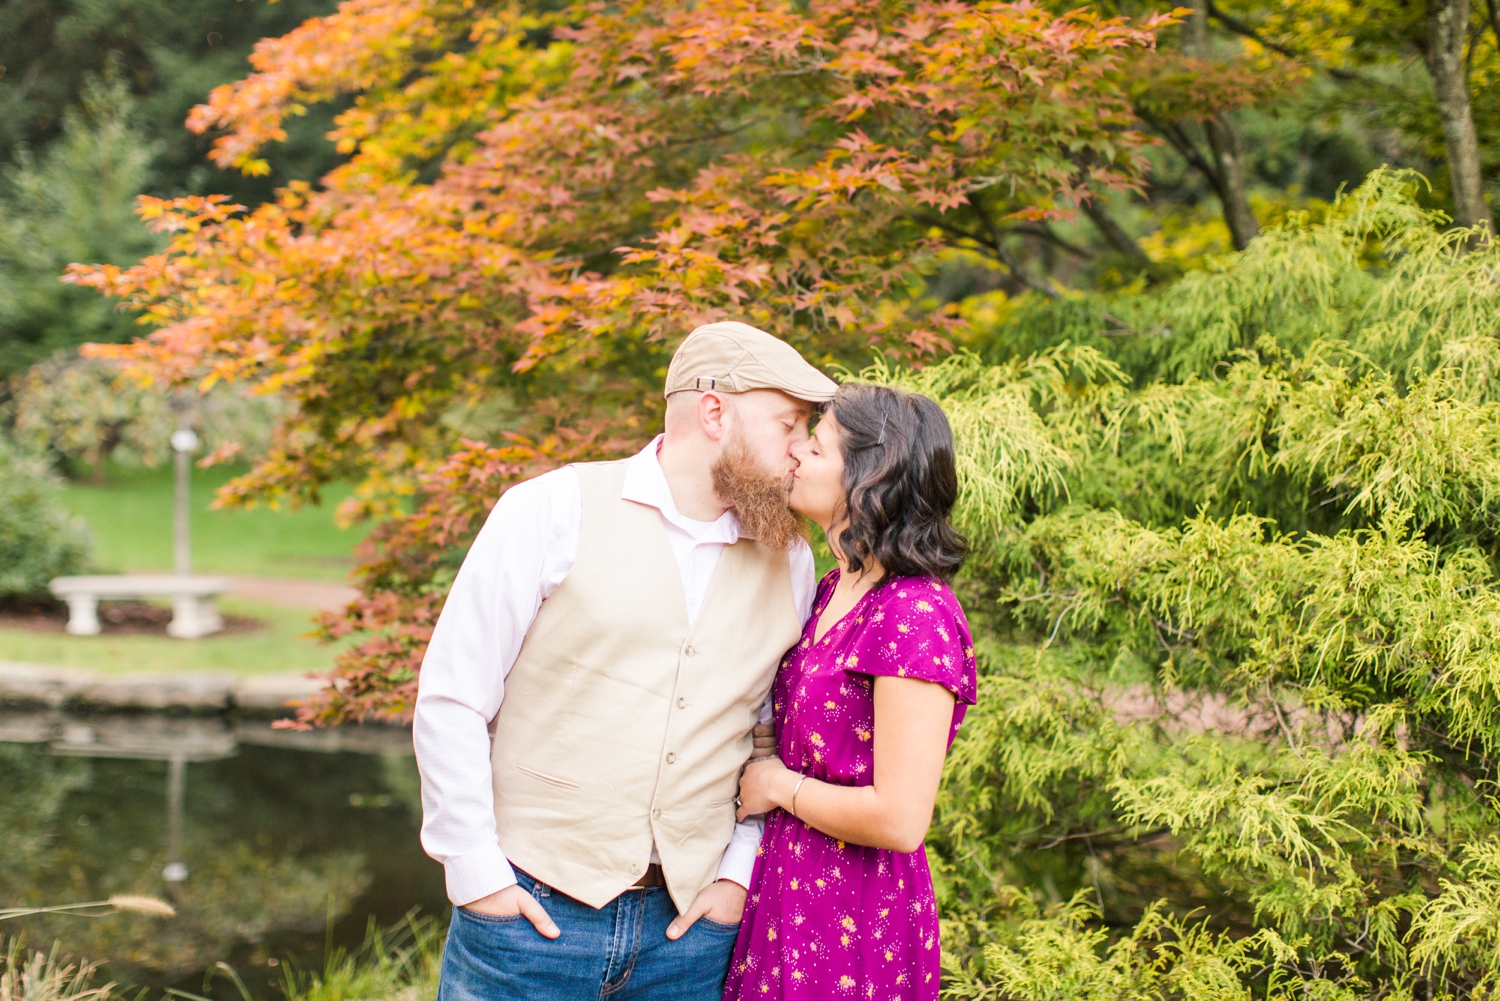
587,700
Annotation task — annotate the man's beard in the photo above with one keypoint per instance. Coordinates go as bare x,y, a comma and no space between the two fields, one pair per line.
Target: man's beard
757,497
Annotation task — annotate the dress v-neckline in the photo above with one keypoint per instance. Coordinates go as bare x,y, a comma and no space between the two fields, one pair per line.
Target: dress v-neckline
818,640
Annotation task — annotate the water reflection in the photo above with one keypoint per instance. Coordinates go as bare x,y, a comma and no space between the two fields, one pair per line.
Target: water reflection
258,837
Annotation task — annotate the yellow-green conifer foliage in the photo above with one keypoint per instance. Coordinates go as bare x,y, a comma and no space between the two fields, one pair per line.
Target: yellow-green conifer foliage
1239,717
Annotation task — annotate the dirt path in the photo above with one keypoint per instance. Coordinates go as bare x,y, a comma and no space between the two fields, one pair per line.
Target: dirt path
326,596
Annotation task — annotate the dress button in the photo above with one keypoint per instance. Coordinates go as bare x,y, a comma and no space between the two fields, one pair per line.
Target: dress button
635,870
671,757
689,651
682,703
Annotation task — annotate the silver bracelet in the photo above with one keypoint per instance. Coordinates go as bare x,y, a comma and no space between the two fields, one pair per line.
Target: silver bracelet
794,795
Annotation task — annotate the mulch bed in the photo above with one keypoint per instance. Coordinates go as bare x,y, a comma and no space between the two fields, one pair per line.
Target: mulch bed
117,618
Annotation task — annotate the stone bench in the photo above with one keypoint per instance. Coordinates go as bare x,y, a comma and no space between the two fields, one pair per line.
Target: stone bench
194,612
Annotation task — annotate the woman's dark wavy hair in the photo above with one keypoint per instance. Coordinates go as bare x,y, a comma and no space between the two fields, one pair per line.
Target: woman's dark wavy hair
900,483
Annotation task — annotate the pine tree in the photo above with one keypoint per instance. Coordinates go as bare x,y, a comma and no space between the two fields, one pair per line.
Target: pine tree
75,200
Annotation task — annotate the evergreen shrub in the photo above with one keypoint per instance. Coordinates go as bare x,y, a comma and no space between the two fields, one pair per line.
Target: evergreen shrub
1235,576
38,539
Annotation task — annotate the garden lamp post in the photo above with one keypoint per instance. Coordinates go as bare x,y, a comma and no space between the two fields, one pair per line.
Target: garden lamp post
184,442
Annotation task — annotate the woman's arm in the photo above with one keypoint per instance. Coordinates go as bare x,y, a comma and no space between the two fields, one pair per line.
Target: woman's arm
911,739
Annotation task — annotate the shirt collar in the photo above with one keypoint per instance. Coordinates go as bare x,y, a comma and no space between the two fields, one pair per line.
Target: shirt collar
645,483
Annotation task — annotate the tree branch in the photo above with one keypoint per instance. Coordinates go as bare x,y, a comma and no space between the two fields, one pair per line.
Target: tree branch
1238,27
1185,146
1045,232
1119,241
997,241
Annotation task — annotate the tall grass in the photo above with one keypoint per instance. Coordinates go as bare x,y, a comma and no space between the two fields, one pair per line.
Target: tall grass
45,976
396,963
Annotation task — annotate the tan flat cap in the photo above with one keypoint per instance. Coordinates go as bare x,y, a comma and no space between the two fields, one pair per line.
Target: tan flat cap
735,357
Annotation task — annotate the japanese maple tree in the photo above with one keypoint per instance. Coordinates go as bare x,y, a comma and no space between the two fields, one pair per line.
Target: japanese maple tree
537,206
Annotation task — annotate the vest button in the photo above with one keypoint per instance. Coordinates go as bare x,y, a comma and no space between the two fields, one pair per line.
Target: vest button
655,814
689,651
682,703
635,870
671,757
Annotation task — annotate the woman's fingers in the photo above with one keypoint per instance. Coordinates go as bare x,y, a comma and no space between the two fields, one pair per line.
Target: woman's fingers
755,782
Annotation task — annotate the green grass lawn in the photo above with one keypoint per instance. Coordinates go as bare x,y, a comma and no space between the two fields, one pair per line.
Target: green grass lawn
130,517
275,648
131,520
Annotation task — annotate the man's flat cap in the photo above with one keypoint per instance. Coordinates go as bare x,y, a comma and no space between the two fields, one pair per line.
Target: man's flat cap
733,357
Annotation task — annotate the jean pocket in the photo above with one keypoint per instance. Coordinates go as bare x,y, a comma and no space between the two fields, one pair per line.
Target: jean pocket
492,919
720,926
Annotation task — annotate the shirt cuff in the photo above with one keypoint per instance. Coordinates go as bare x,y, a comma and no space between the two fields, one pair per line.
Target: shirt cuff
477,874
738,864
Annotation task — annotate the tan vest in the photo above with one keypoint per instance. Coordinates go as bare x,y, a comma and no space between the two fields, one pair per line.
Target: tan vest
620,726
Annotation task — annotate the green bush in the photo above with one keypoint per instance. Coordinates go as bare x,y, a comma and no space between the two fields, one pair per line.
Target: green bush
38,540
1236,585
86,412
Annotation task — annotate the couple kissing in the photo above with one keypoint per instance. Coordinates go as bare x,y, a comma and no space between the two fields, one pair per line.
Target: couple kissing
659,758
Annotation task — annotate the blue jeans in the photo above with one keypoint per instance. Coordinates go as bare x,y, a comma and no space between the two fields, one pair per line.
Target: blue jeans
619,952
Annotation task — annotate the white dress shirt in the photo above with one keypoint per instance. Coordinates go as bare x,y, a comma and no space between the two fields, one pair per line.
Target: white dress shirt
525,549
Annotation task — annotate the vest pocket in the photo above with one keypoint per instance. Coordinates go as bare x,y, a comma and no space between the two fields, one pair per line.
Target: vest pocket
549,779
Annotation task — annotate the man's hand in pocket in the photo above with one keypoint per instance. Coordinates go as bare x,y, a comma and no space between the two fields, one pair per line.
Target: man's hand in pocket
512,901
722,901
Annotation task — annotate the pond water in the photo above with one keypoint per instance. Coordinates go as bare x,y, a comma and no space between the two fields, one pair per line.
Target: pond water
270,844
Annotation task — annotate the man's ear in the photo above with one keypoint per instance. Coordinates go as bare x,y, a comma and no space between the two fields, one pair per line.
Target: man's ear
713,413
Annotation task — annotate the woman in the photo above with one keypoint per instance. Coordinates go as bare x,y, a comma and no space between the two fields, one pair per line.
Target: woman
841,903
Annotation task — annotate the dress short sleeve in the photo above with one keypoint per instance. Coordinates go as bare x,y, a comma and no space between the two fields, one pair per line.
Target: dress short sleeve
917,629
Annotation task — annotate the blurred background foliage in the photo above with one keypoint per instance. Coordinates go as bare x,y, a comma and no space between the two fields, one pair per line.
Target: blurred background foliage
93,95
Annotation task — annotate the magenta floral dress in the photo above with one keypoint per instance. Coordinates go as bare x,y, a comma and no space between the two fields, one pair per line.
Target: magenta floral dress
826,919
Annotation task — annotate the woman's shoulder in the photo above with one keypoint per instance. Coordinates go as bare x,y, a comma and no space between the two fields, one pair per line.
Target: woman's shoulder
920,596
918,629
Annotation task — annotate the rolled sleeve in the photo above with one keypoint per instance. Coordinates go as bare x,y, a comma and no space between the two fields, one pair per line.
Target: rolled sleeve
478,874
738,863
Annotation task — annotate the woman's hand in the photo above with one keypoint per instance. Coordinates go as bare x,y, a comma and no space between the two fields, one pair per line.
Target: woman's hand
764,785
